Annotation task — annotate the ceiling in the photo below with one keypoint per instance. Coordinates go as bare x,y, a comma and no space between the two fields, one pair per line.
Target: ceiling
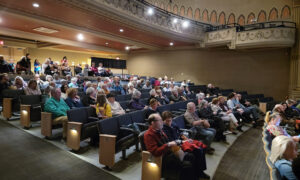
101,34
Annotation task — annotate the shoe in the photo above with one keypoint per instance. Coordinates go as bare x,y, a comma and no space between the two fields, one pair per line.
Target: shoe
239,128
227,132
210,152
212,149
235,133
204,176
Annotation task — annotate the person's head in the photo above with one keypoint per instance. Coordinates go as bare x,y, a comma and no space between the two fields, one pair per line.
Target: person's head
274,119
159,92
110,97
27,55
239,96
283,147
175,92
55,93
3,78
221,99
72,93
32,84
98,79
296,167
231,95
19,81
155,121
36,61
1,58
100,65
64,88
148,83
167,118
68,77
101,99
190,107
90,91
136,94
153,103
290,102
65,58
152,92
209,86
74,80
215,101
93,64
200,96
49,78
278,108
130,85
203,104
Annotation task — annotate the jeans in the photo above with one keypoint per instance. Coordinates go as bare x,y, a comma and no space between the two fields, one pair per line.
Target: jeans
207,135
253,111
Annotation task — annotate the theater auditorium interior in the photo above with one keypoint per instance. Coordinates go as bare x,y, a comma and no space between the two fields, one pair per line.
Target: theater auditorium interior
150,89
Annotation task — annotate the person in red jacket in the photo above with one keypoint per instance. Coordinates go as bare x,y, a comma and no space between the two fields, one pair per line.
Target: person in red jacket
173,162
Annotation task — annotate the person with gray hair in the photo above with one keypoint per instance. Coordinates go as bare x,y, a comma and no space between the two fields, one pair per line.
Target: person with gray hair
283,151
57,106
153,95
90,97
73,83
135,102
175,97
202,126
147,85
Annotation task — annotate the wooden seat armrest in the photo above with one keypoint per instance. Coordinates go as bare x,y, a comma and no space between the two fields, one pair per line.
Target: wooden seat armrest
107,149
151,166
46,124
25,115
7,108
73,135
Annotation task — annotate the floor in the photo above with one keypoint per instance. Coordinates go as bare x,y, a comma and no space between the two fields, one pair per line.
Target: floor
131,168
245,159
23,156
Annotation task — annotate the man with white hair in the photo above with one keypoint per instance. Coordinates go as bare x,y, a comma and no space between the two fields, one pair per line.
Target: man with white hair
211,90
57,106
90,97
204,132
73,83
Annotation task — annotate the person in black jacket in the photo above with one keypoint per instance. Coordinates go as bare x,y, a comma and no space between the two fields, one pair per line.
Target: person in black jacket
4,67
152,109
4,84
89,98
24,64
216,122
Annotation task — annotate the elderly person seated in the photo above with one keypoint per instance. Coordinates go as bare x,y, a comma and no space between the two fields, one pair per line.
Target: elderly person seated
153,95
173,133
135,102
116,108
225,116
19,83
158,144
152,107
73,100
63,90
89,98
175,96
215,122
105,88
202,126
131,88
57,106
280,109
182,93
162,99
103,108
147,85
211,90
73,83
275,129
283,151
32,88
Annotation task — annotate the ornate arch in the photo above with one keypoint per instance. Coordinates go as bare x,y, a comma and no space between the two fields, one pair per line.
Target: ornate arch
262,16
273,15
213,17
222,18
197,14
286,12
162,5
175,9
250,18
190,13
241,20
182,11
205,15
231,19
169,7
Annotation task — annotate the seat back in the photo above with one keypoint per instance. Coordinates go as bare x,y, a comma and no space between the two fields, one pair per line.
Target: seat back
141,139
138,116
30,99
124,104
145,95
78,115
179,120
125,119
109,126
161,109
91,112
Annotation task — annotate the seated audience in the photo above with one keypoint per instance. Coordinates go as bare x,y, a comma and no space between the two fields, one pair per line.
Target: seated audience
58,108
153,95
32,88
63,90
275,129
135,102
157,144
175,96
283,151
73,83
292,122
19,83
103,108
162,99
204,132
131,88
152,109
73,100
116,108
89,97
147,85
211,90
173,133
181,93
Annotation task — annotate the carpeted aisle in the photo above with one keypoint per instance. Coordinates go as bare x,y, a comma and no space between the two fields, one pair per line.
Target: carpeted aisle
245,159
23,156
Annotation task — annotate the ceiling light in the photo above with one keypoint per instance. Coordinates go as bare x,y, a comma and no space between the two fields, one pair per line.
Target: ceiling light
175,21
171,43
185,24
150,11
121,30
127,48
36,5
80,37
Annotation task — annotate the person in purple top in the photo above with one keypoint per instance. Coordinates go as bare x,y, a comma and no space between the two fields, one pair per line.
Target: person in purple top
135,102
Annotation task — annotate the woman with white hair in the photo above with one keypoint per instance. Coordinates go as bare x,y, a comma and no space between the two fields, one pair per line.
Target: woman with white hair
19,83
283,151
73,83
131,88
135,102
